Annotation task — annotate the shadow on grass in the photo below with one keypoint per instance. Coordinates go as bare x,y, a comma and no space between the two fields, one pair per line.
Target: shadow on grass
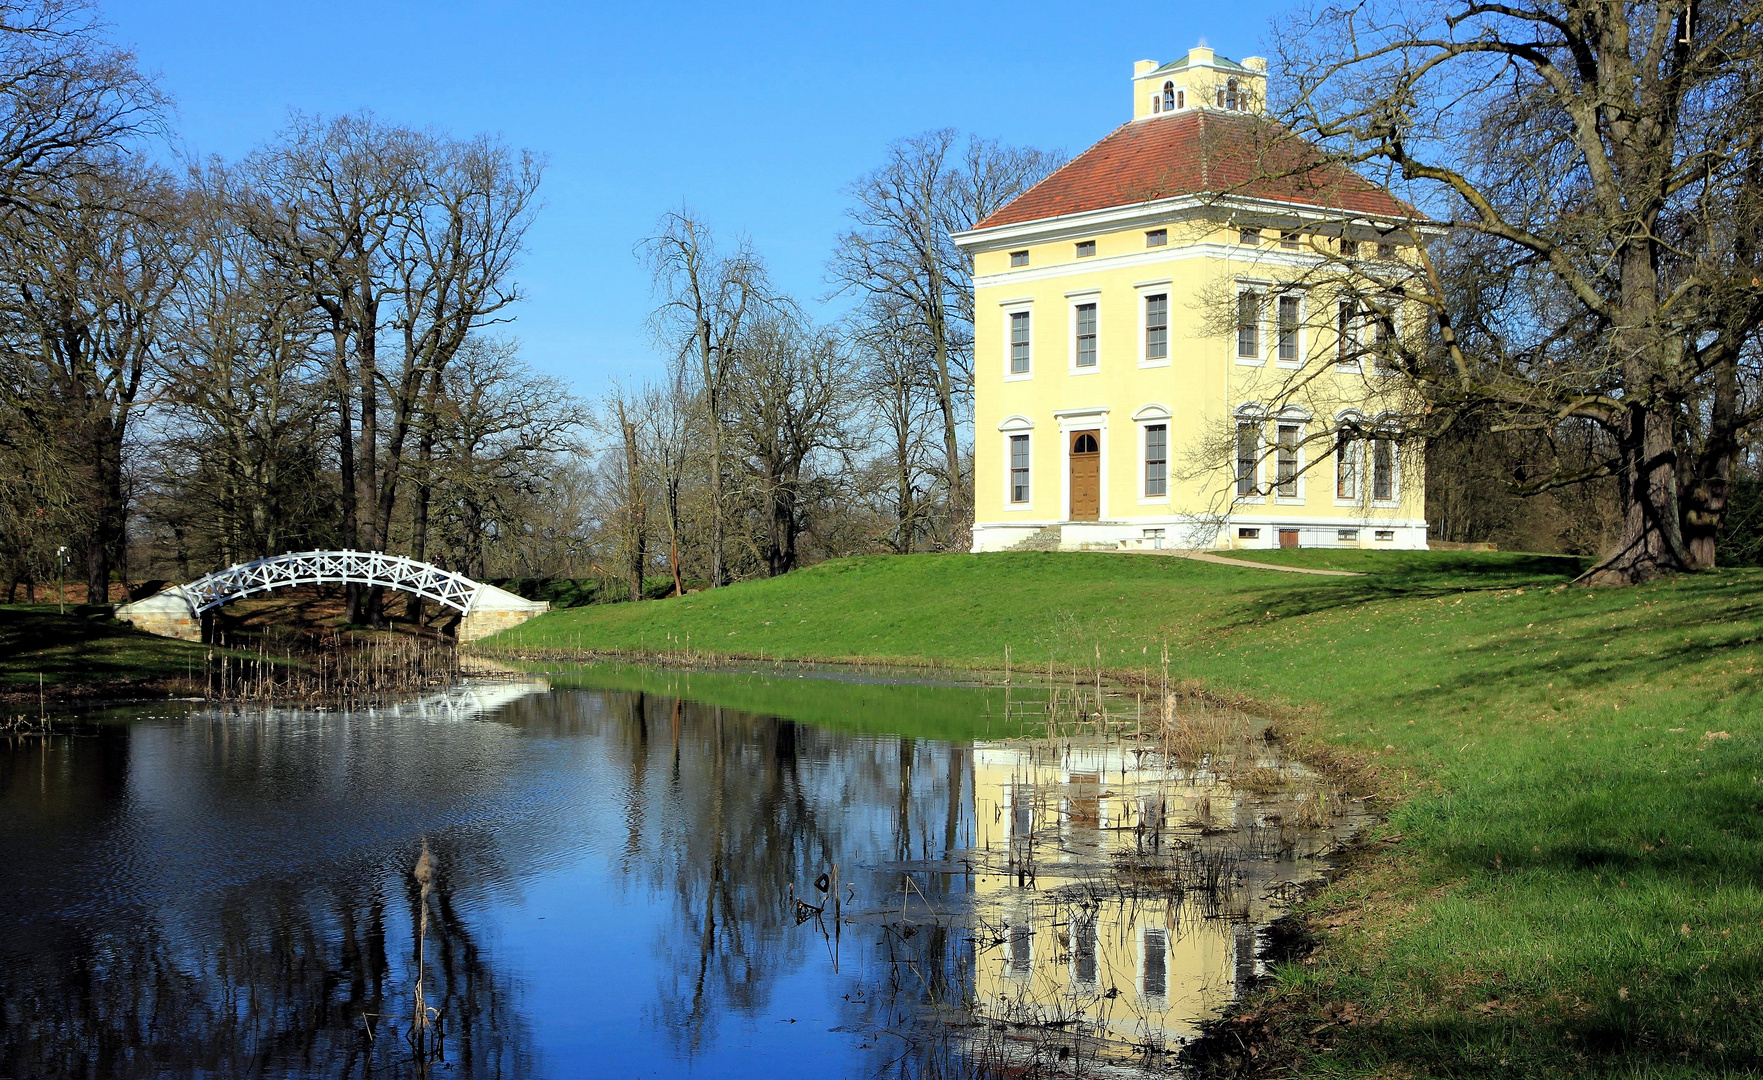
83,645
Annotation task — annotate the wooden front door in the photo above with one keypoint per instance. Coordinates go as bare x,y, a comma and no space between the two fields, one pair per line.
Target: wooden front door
1086,475
1288,538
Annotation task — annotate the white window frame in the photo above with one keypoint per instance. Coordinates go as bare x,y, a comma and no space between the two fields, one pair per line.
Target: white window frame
1146,290
1395,499
1302,422
1009,308
1012,426
1353,338
1393,309
1074,300
1355,448
1298,331
1261,292
1248,415
1148,415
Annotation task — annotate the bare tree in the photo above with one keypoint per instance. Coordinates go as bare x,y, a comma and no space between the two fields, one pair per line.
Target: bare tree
69,100
1599,168
498,434
389,228
91,282
706,302
246,384
903,408
789,402
900,257
671,419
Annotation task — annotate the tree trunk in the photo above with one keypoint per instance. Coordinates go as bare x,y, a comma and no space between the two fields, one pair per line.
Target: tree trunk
351,531
1652,539
1705,494
106,528
367,457
713,400
634,510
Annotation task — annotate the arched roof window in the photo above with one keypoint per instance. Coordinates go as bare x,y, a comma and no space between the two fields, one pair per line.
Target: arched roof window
1168,96
1230,93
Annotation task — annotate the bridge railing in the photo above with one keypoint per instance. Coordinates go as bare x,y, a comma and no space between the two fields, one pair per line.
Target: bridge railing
333,568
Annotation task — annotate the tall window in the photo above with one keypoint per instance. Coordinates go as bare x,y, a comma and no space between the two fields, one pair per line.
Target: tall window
1383,470
1248,323
1156,460
1347,345
1086,335
1384,340
1168,96
1286,485
1019,468
1346,466
1230,93
1181,99
1288,328
1157,326
1019,342
1248,451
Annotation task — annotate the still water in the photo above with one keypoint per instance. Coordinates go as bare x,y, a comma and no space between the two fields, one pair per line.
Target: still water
629,882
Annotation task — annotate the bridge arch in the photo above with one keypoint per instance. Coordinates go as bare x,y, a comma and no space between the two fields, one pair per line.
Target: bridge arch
178,610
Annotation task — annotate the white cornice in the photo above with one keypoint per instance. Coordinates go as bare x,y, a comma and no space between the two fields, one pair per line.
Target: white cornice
1117,218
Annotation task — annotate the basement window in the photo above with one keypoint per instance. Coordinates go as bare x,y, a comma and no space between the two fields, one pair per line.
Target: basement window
1248,534
1385,534
1346,536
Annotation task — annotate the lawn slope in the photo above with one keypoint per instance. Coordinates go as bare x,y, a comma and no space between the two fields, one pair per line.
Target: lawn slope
1575,882
84,651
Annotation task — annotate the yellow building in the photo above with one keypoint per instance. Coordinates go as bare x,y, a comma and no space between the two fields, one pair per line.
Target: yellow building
1173,345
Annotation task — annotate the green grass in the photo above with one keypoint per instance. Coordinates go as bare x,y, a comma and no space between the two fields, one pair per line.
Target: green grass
1577,888
85,648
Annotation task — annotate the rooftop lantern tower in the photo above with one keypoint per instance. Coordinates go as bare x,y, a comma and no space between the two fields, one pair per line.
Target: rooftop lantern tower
1200,80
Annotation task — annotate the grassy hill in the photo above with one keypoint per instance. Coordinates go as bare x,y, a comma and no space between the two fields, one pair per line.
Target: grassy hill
85,649
1575,880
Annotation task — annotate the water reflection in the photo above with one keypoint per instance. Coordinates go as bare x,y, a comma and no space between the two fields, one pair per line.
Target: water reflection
626,882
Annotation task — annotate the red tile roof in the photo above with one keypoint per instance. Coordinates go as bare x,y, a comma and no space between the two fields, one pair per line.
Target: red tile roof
1198,153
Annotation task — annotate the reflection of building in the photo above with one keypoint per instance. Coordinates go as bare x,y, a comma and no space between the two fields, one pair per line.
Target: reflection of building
1077,937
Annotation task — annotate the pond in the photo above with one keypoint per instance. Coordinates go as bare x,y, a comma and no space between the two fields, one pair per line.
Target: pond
644,874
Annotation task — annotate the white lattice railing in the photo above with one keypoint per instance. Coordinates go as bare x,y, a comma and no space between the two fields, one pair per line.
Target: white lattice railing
332,568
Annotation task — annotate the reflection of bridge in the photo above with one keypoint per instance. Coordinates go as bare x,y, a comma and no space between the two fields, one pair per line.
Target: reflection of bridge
483,609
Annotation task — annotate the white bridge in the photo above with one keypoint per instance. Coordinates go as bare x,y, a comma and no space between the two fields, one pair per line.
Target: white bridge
483,609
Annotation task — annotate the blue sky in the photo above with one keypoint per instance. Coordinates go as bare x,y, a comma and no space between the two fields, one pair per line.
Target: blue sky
755,115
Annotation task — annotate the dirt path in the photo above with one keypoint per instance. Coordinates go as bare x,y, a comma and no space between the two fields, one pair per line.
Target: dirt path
1207,556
